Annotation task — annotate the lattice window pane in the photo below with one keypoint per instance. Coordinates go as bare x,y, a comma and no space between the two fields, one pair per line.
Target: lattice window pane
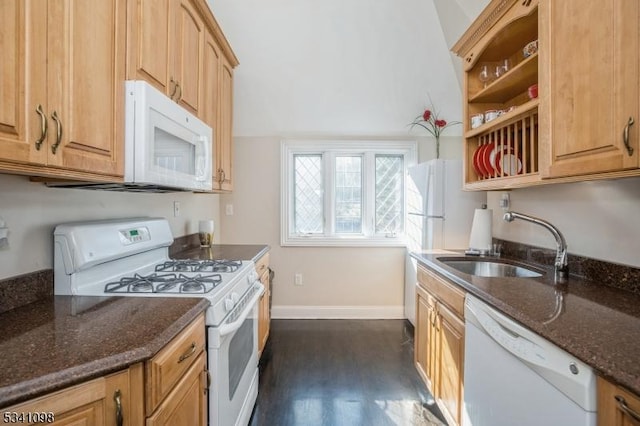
389,194
348,200
308,194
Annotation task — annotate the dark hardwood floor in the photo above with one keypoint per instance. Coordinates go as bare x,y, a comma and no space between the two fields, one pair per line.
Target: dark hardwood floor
341,373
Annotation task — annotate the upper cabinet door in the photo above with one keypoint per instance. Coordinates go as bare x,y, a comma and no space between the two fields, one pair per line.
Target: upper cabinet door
225,128
148,42
23,121
85,85
188,39
589,58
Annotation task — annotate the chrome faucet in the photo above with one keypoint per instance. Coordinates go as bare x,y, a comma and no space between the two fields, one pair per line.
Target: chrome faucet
561,263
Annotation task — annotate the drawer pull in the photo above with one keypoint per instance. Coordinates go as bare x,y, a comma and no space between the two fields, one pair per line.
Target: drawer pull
622,404
188,353
117,398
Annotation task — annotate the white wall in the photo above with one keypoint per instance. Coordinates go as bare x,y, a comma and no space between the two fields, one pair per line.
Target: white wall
31,211
598,219
329,69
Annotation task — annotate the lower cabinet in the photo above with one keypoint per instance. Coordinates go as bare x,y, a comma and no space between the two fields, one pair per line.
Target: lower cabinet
186,404
169,389
616,406
264,314
111,400
176,380
439,341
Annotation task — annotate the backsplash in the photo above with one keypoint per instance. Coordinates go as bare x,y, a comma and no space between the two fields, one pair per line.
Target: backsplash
599,272
24,289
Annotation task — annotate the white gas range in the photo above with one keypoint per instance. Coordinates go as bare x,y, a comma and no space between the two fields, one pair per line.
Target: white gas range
130,257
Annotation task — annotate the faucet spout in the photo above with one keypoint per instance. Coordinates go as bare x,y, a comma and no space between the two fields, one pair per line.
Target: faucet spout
561,262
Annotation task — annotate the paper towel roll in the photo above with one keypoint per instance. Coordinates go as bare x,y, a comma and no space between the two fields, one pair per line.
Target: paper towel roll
481,230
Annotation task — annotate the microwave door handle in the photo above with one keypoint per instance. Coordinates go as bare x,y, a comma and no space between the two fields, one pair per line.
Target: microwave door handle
201,172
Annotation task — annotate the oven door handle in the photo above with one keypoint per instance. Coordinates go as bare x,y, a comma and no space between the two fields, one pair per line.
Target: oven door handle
229,328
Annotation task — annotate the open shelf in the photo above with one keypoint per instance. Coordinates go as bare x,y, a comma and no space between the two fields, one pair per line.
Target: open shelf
516,81
505,119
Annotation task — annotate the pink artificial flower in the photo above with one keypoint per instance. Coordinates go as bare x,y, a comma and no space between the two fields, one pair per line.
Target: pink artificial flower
427,115
440,123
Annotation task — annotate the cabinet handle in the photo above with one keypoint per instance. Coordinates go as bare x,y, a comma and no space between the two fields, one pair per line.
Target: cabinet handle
117,397
55,118
625,136
175,87
223,176
179,95
43,127
622,404
188,353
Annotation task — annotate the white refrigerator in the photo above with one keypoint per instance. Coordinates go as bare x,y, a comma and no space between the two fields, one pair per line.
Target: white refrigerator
439,216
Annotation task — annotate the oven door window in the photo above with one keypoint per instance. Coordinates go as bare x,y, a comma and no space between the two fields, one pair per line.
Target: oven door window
240,350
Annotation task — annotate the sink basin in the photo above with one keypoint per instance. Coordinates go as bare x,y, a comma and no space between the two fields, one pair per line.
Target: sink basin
489,268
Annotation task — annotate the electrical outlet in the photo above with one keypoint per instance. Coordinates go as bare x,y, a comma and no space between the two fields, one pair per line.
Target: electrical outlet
505,201
228,209
298,279
176,209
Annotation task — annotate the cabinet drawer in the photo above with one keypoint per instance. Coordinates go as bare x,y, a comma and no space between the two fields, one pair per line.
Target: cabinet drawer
169,365
262,264
446,292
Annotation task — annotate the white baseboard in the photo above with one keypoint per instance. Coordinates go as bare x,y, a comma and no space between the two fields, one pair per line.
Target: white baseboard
337,312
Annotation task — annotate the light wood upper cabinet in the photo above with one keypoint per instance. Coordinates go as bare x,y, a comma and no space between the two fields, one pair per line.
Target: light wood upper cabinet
62,100
86,47
98,402
224,148
148,42
166,39
589,55
16,21
616,406
439,341
186,56
499,34
584,123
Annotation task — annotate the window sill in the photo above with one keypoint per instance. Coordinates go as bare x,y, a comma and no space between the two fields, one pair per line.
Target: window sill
342,242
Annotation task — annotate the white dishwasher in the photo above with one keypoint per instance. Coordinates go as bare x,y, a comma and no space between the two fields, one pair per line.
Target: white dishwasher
512,376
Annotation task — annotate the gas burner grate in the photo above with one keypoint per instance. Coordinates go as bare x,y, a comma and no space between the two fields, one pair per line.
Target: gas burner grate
199,283
220,266
165,283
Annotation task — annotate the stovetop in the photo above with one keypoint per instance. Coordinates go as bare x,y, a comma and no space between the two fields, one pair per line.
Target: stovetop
178,276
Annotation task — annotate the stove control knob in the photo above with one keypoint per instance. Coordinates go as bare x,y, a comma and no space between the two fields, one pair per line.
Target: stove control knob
228,304
235,297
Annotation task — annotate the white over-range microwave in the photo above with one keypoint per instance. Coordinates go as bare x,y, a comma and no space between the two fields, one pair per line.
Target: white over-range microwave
165,145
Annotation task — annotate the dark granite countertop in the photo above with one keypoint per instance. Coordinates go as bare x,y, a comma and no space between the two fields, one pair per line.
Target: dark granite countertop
63,340
221,251
597,324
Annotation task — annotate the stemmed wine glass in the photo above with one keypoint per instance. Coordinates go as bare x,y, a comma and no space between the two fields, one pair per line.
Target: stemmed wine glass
485,75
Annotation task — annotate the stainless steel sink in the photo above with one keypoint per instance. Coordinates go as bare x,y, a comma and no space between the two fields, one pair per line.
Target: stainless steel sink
489,268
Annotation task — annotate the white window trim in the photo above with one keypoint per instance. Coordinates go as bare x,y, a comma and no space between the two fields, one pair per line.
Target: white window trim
290,147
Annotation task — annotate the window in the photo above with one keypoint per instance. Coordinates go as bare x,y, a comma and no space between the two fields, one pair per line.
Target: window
344,192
